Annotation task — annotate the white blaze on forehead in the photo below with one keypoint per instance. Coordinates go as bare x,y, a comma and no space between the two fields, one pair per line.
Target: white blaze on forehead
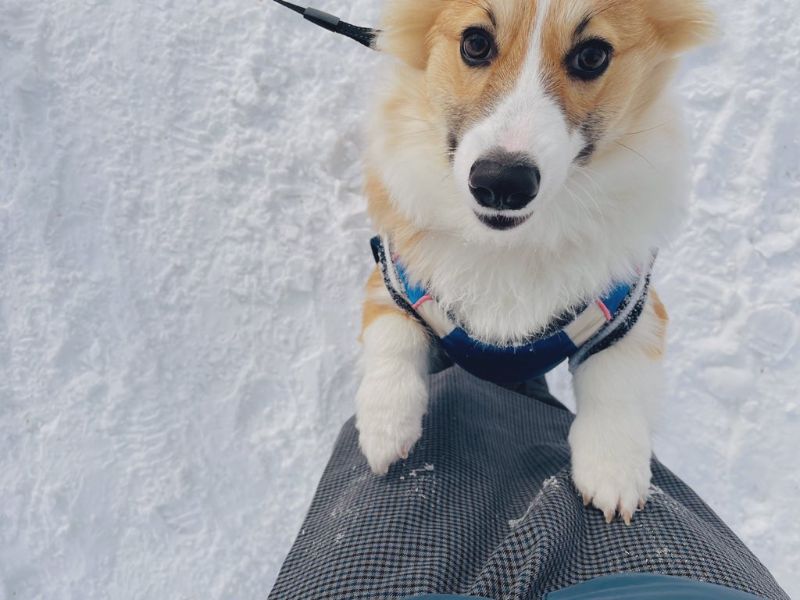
542,10
528,95
527,120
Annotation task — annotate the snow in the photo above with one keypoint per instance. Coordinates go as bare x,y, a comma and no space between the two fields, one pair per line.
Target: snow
184,244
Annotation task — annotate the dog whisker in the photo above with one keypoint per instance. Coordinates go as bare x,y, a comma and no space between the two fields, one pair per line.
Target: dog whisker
591,198
637,153
647,130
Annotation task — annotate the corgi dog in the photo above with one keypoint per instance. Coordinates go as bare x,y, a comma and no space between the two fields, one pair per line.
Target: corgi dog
525,158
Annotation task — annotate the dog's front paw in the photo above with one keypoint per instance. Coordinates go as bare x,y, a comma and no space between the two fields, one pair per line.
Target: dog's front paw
389,420
611,467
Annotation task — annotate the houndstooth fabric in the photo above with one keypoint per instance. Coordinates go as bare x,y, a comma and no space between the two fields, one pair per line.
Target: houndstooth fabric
485,507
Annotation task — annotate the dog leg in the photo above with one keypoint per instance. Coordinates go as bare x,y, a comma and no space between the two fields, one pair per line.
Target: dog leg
616,392
393,396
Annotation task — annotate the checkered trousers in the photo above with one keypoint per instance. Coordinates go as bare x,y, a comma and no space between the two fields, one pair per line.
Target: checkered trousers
485,507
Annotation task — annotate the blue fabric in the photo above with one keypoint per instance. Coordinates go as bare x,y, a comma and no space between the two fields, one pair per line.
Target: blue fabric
438,597
633,586
616,297
508,365
645,586
413,293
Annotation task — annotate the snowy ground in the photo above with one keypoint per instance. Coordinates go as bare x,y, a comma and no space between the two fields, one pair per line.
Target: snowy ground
183,245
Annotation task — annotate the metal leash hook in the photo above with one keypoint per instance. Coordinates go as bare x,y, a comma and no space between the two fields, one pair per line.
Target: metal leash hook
363,35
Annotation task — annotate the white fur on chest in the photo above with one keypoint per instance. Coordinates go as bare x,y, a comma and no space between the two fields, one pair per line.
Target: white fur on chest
503,296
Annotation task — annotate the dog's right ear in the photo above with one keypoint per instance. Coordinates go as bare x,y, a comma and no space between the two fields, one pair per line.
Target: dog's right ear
681,24
406,27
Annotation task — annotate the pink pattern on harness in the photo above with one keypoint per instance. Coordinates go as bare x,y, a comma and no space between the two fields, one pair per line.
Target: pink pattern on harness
606,313
421,301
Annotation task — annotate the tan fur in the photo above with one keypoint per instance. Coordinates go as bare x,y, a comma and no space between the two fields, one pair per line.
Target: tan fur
462,93
656,351
645,34
380,207
406,25
622,25
680,24
387,218
659,308
377,303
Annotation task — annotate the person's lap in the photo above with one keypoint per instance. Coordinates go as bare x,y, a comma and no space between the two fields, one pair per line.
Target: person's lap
485,507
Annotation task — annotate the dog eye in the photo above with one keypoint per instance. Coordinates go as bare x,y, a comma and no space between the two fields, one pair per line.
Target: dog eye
477,47
589,60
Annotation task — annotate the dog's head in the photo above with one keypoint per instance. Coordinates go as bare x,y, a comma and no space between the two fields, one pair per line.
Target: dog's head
498,105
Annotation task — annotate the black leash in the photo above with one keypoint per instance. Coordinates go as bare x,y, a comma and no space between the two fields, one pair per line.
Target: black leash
363,35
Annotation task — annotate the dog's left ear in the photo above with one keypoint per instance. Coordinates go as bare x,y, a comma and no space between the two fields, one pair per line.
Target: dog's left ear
681,24
406,27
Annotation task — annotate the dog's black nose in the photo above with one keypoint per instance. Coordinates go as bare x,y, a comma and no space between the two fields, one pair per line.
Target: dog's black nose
504,181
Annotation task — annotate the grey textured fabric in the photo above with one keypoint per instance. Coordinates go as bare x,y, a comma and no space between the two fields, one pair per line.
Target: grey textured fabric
485,507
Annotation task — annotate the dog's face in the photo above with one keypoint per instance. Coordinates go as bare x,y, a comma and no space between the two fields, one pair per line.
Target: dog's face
511,97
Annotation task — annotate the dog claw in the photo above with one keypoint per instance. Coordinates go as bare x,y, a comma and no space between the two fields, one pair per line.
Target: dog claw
404,453
626,513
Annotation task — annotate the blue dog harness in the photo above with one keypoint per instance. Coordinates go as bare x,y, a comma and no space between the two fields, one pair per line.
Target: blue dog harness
589,329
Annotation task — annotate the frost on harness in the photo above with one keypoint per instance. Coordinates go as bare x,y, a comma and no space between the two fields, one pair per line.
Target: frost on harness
589,329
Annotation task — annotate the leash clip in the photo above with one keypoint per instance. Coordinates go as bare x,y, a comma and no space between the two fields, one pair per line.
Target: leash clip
363,35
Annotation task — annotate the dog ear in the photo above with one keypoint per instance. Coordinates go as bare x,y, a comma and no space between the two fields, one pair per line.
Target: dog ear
682,24
406,27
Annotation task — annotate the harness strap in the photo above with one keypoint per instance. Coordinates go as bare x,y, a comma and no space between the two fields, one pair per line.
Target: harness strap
630,309
578,336
380,251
